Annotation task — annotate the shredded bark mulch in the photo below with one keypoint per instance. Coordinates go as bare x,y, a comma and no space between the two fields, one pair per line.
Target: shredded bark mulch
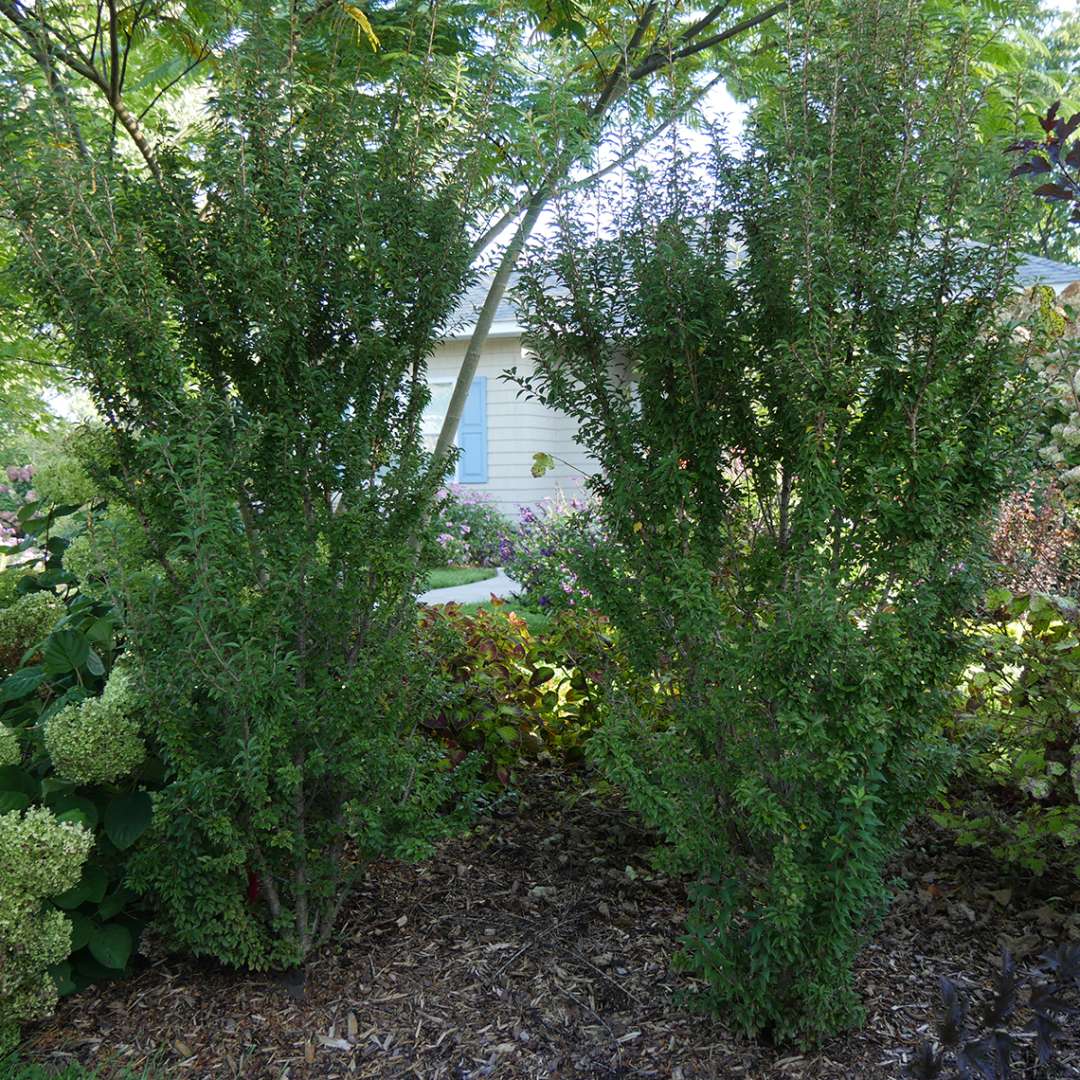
539,946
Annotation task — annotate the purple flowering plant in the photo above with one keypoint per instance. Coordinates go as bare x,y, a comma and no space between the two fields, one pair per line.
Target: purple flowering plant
552,541
16,492
470,529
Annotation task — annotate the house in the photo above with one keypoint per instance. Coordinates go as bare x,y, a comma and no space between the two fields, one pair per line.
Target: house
501,431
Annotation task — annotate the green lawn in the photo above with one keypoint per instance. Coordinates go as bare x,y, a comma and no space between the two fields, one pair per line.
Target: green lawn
458,575
538,621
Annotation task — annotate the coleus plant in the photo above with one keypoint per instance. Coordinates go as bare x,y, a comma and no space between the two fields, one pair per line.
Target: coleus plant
981,1046
1054,158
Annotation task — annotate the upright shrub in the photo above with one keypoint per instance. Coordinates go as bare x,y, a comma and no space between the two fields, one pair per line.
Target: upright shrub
256,339
792,371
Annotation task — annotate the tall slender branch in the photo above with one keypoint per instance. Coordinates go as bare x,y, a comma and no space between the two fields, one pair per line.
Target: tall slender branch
548,189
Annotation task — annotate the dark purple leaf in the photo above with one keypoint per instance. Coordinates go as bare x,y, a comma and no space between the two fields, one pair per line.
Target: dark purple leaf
1047,122
1072,158
1064,128
1030,168
951,1030
1064,961
1045,1029
926,1064
1054,192
1044,1000
1002,1041
1001,1005
978,1057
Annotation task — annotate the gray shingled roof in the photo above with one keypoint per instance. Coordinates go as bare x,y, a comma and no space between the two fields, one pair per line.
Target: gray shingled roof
1034,270
473,300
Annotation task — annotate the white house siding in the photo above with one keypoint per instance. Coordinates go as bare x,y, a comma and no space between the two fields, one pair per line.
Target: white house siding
517,428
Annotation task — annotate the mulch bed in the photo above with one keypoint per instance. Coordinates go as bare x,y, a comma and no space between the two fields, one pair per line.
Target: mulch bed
539,946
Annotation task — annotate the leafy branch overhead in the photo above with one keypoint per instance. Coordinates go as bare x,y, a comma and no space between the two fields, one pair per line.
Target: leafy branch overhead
1054,157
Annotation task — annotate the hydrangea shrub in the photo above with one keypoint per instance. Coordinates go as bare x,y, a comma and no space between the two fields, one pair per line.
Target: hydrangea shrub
1049,329
24,624
97,741
40,857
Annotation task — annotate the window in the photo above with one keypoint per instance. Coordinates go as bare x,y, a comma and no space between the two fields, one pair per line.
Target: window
472,431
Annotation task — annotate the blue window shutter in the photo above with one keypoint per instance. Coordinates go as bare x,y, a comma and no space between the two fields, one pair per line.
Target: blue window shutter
472,435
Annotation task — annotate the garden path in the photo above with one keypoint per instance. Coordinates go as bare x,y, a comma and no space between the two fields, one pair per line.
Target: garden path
477,592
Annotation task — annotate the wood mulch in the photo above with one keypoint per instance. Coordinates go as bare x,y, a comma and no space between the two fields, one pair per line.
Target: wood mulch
539,946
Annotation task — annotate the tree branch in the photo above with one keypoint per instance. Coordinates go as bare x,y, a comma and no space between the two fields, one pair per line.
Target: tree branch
659,60
130,124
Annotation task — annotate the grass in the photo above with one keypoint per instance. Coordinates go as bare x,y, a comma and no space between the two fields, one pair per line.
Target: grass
537,620
14,1069
458,575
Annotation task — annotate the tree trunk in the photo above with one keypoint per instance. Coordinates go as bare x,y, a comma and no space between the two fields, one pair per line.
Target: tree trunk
483,323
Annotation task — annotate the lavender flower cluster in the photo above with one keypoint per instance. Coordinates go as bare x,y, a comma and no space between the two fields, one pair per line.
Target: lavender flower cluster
552,540
15,494
471,530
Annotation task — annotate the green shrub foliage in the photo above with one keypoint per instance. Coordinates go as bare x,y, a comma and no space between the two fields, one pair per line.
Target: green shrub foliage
1017,727
93,771
40,857
792,374
256,337
512,697
24,626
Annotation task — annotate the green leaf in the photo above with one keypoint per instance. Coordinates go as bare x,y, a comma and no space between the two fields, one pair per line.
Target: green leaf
507,734
12,778
13,800
61,974
100,631
91,888
82,929
541,463
111,945
115,902
23,682
65,650
65,804
94,664
127,818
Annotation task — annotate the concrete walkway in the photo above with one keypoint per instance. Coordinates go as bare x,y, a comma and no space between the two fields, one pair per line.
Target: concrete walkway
474,593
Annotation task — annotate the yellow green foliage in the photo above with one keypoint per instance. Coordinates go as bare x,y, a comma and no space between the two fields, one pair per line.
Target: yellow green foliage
60,479
110,556
39,857
97,741
9,584
24,624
